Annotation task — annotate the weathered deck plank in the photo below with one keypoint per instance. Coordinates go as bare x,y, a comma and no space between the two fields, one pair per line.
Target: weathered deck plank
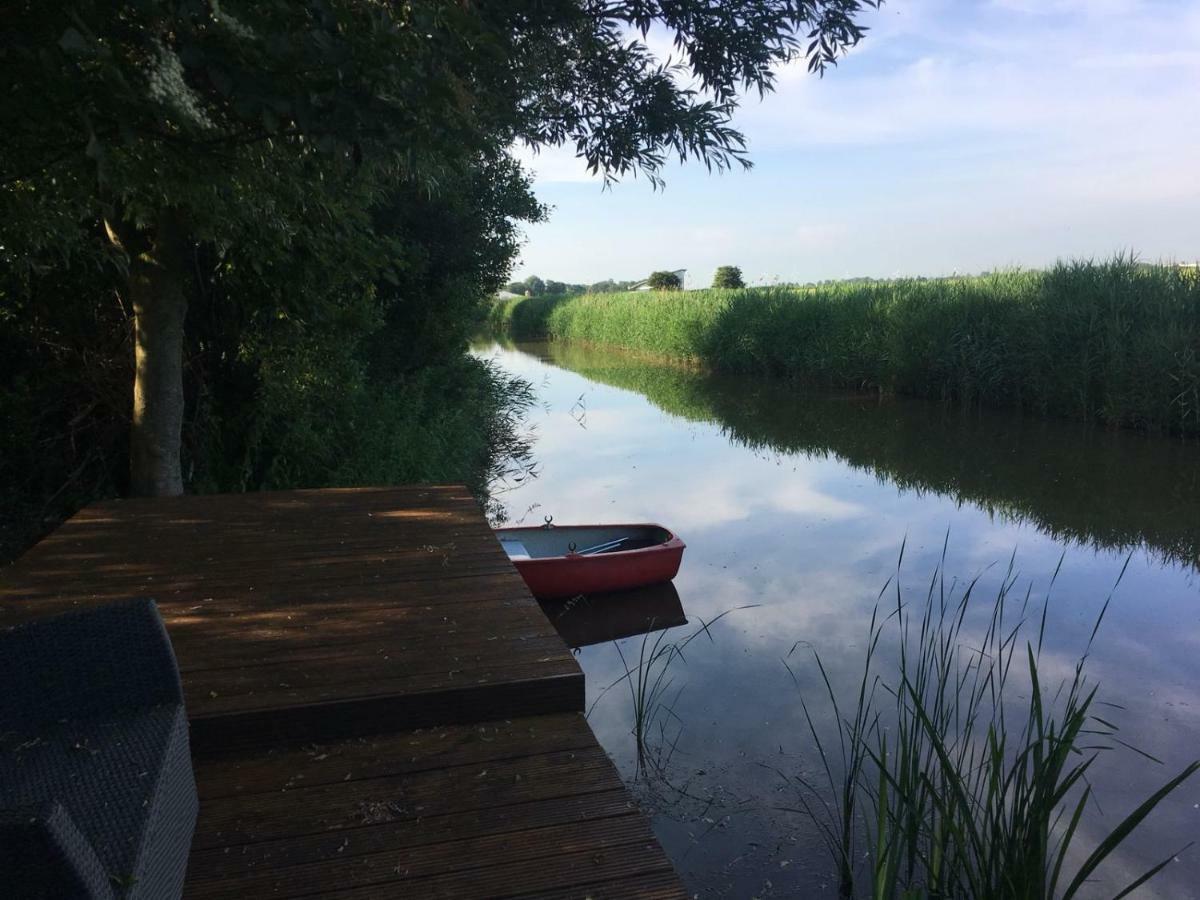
489,810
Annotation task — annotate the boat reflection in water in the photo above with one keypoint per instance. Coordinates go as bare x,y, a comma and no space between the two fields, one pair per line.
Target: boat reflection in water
599,618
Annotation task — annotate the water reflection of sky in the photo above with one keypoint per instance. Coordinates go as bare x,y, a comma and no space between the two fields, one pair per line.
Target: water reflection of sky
810,540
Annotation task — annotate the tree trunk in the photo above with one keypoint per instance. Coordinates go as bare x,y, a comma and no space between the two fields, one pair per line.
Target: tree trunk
158,261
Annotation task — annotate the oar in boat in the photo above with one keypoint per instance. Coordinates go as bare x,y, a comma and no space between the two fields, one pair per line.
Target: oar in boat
600,548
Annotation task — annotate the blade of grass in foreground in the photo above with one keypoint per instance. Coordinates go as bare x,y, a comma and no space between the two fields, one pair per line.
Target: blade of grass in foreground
1123,830
975,800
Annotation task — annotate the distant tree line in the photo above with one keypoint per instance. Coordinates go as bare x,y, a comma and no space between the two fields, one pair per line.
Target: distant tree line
608,286
726,277
533,286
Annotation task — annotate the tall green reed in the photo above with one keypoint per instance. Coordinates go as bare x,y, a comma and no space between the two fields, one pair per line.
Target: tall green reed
963,774
649,678
1114,342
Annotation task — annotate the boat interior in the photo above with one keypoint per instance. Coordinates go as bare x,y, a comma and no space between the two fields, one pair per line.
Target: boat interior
590,540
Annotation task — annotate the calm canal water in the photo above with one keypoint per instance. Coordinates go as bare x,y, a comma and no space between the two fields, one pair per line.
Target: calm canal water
796,503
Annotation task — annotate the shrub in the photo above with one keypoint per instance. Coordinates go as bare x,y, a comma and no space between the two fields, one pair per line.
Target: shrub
665,281
728,278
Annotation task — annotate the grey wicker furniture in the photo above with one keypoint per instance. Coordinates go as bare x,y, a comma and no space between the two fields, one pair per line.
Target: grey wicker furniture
97,796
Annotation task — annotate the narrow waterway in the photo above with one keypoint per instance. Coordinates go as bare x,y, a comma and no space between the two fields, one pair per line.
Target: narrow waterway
795,505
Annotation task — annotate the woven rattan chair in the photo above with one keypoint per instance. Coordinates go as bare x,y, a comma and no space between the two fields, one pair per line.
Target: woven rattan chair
97,796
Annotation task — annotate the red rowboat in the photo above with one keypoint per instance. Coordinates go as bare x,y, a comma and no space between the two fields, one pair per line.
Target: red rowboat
566,560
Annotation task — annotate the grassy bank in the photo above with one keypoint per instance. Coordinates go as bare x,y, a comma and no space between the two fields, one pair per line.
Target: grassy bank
1116,343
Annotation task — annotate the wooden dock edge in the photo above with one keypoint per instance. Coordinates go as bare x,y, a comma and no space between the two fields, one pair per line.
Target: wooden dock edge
350,718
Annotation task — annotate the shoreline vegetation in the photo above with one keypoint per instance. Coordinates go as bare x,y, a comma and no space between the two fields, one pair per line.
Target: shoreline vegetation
462,420
1116,343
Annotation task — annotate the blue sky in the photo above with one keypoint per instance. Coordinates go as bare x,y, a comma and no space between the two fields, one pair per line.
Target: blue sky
959,136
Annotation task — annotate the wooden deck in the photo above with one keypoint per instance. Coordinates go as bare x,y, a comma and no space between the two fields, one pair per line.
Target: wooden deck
529,807
320,634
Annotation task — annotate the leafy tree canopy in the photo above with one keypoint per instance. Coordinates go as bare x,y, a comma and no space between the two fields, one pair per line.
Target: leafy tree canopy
664,281
608,286
728,277
187,102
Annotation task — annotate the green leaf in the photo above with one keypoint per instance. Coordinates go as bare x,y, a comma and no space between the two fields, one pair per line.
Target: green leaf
1122,831
1137,883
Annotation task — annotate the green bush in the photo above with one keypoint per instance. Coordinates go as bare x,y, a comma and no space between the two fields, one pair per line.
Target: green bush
664,281
728,278
322,422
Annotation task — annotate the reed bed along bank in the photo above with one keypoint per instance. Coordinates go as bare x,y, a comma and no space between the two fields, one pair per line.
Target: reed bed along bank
1115,342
